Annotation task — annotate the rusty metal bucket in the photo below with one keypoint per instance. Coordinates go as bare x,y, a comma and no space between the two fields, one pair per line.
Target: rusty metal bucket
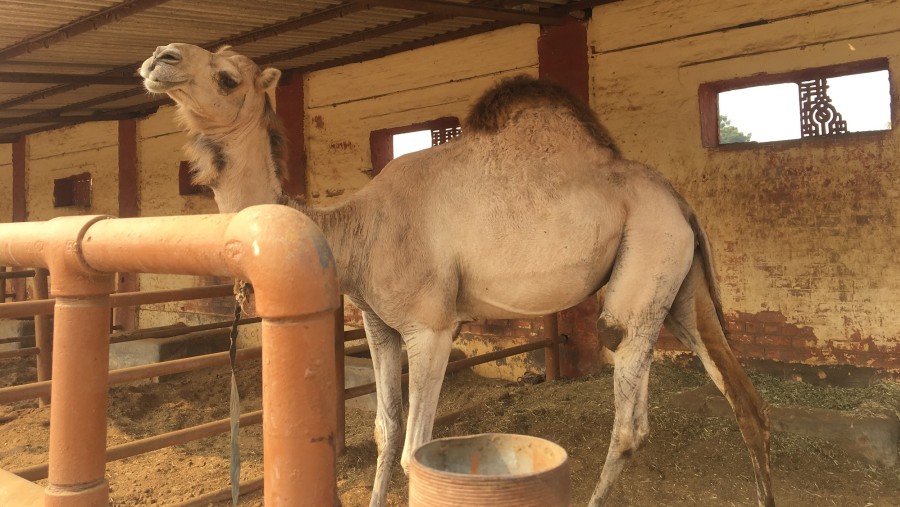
491,469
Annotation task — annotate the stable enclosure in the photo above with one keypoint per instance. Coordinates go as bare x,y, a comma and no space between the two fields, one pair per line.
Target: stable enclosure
804,231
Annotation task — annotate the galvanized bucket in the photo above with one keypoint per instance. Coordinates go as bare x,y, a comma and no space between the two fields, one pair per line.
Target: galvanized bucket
490,470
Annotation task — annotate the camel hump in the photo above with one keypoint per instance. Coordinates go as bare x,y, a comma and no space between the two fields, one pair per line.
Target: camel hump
501,103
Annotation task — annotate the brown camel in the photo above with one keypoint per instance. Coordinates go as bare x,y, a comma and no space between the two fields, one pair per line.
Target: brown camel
529,212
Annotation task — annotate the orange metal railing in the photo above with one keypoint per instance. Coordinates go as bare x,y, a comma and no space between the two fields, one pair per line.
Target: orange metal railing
276,249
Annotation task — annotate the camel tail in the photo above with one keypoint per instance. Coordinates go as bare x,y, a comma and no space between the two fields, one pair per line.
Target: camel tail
708,269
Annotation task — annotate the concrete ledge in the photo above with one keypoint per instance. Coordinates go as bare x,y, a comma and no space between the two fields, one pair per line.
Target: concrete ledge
14,328
358,371
870,438
154,350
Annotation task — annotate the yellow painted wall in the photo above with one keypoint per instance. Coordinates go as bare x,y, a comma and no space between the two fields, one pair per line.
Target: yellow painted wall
805,232
346,103
160,143
5,183
90,147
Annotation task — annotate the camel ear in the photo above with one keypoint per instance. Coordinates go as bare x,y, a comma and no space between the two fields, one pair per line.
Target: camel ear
268,78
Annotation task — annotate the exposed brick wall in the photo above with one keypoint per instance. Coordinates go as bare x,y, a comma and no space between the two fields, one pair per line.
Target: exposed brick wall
768,335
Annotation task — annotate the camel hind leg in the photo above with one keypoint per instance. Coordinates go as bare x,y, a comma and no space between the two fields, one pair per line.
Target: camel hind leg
693,319
648,272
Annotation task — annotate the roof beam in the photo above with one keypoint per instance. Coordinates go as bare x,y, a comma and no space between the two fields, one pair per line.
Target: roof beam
468,11
247,37
309,49
379,31
50,123
79,26
289,25
68,120
80,79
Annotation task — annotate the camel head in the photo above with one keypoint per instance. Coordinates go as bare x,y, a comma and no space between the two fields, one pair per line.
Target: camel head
215,92
236,142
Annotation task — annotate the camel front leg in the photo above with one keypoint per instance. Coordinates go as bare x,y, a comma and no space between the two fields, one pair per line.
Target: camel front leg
428,352
384,344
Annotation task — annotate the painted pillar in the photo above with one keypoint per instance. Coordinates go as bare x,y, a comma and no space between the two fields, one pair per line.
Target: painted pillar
19,211
125,318
291,108
563,58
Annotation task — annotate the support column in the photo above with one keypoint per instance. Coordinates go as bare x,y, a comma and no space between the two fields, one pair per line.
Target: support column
291,108
19,210
563,58
125,318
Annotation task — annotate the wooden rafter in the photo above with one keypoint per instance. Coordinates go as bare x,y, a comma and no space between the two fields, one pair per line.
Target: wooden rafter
272,30
79,79
79,26
469,11
496,13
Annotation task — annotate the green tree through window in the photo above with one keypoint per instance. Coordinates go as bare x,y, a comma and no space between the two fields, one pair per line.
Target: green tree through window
728,133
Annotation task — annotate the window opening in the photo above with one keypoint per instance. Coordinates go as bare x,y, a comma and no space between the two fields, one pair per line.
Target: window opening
820,102
72,191
388,144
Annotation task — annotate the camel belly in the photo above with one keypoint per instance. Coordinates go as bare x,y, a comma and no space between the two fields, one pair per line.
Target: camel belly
518,290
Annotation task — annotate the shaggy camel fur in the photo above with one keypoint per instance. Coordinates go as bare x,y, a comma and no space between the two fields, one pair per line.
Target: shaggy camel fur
529,212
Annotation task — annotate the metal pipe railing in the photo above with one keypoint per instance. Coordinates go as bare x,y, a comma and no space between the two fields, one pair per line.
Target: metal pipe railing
12,275
45,306
134,373
273,247
454,366
154,443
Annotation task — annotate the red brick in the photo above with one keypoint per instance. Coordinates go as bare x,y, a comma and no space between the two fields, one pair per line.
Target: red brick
741,338
524,324
524,333
752,327
777,341
771,317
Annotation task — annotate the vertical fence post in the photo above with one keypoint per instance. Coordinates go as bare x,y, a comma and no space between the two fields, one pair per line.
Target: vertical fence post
3,288
43,339
551,352
340,433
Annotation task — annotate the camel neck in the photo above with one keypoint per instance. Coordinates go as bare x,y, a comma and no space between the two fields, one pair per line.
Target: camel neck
342,229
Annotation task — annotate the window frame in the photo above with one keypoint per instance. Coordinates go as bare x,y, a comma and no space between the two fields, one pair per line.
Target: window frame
381,142
708,95
73,191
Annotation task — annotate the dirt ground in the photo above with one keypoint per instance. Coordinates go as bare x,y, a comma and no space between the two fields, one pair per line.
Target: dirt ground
688,460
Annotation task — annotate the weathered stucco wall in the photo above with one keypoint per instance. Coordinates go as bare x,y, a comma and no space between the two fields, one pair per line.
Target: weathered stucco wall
805,232
91,148
345,104
5,183
160,143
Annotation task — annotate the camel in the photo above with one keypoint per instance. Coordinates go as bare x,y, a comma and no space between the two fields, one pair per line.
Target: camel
529,212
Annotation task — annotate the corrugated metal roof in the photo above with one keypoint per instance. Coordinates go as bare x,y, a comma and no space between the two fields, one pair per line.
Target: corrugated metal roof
65,61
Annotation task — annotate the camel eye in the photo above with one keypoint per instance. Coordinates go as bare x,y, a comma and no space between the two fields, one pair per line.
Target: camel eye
226,81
